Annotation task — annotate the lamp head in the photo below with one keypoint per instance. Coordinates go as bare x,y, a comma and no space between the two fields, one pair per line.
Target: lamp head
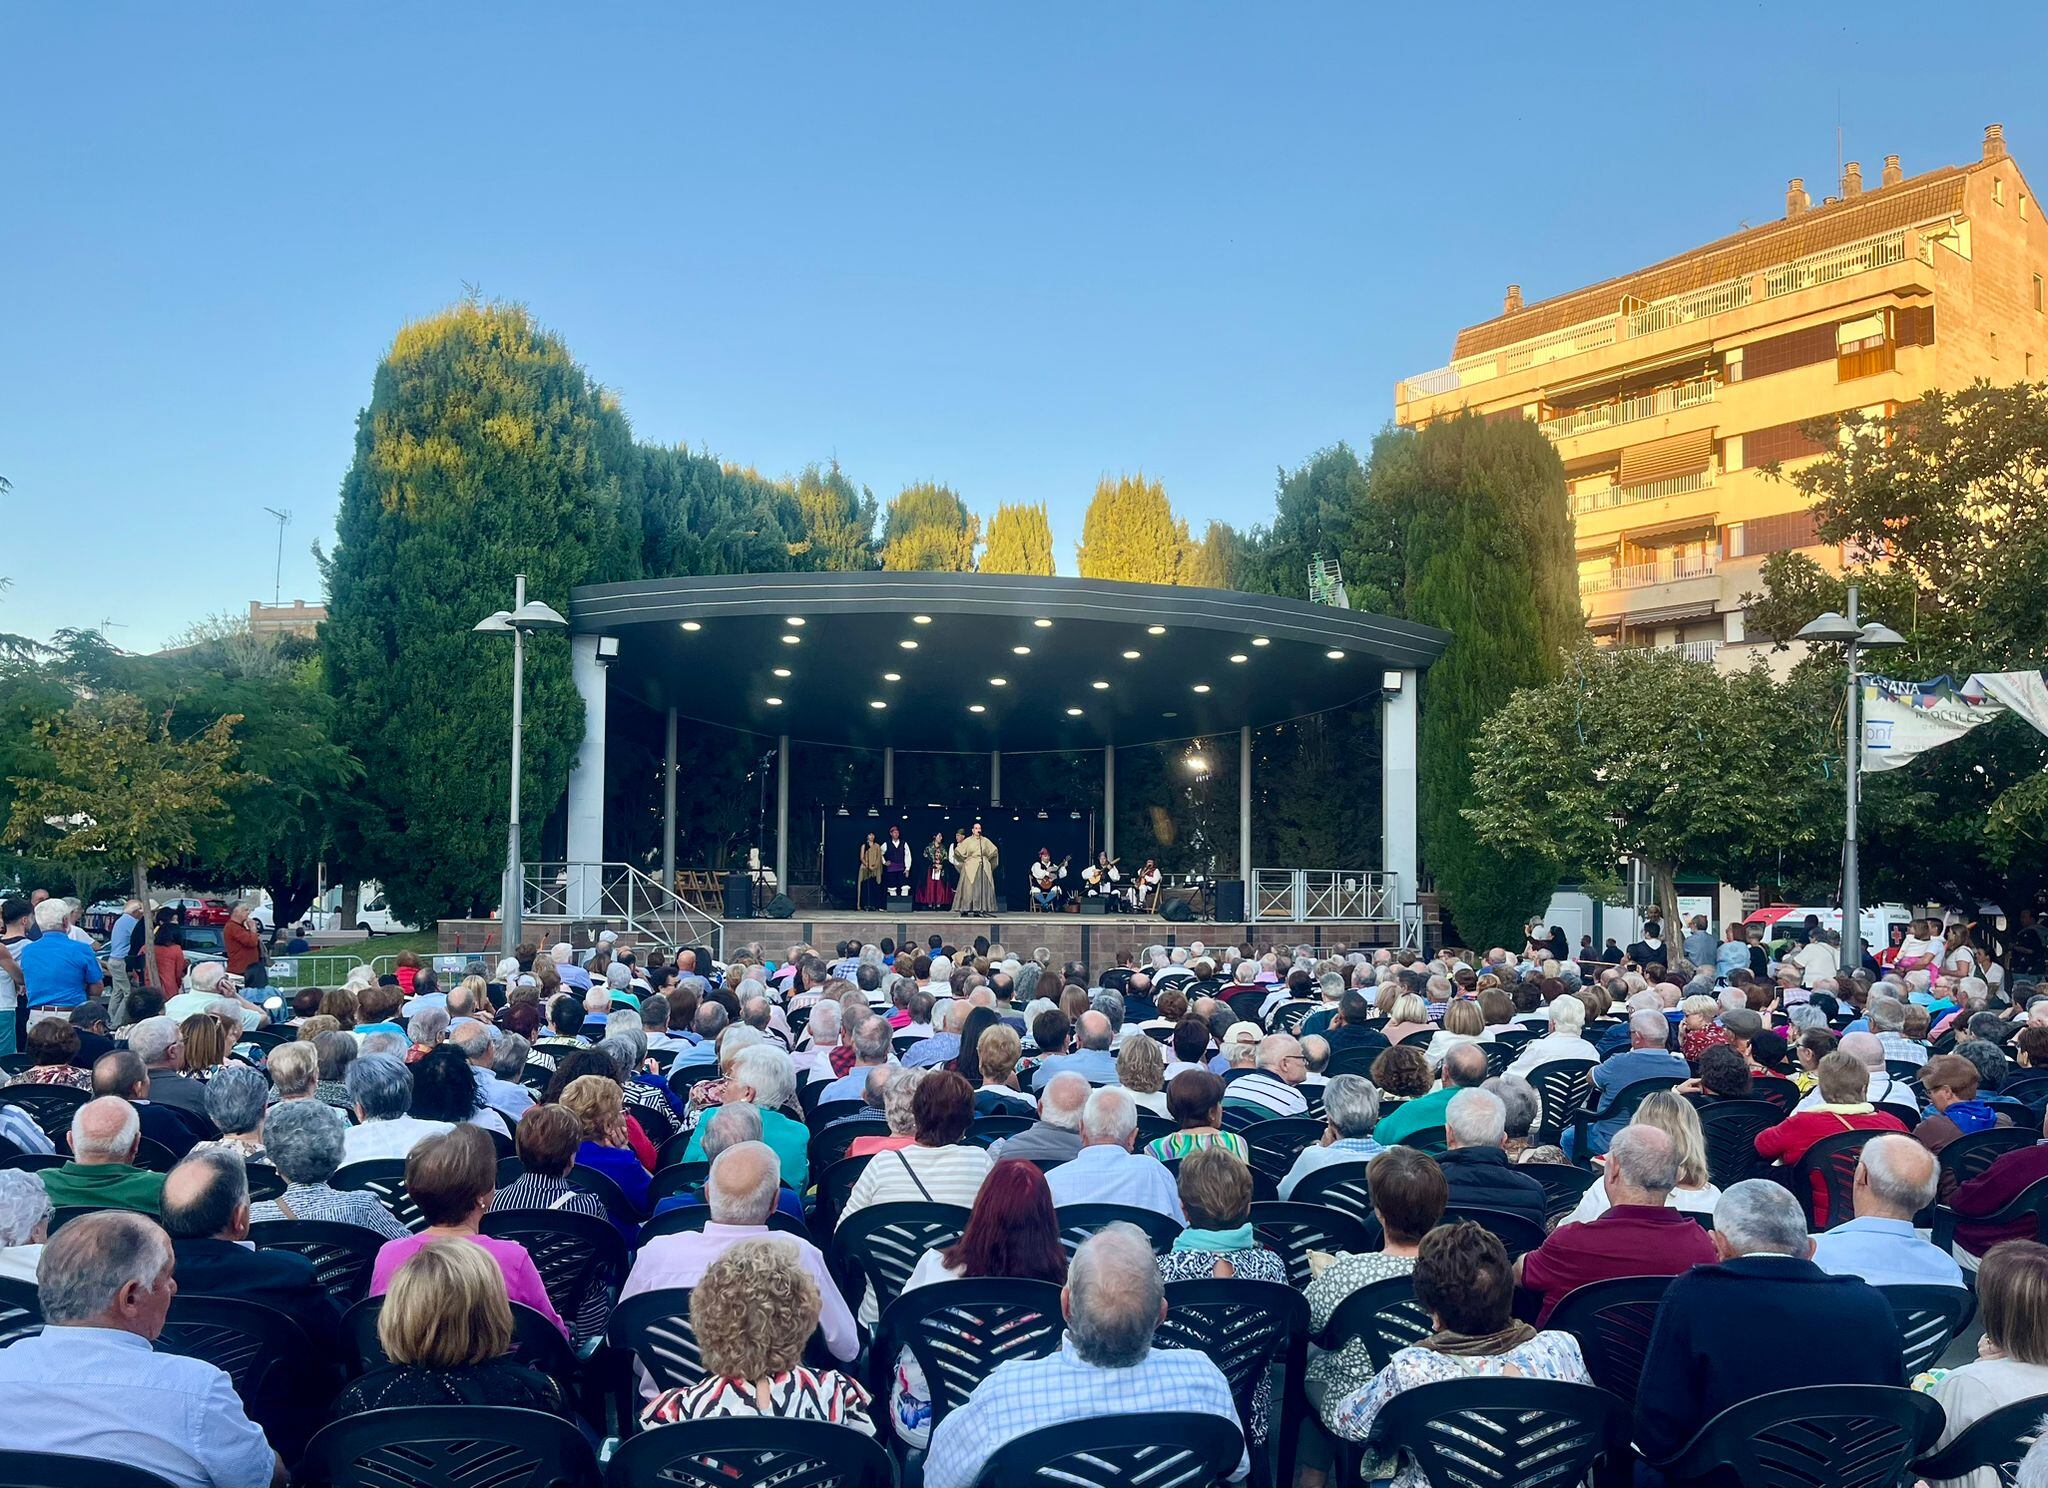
1829,627
1876,634
533,616
498,622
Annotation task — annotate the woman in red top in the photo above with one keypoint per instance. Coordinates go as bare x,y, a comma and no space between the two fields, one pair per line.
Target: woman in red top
408,968
244,946
1845,1106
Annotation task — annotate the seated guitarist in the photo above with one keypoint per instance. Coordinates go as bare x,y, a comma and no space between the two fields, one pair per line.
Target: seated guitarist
1046,878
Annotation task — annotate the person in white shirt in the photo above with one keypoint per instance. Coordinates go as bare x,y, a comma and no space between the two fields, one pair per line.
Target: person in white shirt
1106,1170
380,1087
1818,958
1564,1041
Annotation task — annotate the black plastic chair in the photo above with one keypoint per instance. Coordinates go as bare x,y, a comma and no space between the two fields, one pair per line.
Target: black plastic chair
1078,1221
1498,1056
1152,1126
265,1354
1519,1234
654,1328
1730,1129
1619,1107
828,1146
1382,1315
1432,1140
834,1187
1830,1164
1342,1187
749,1454
958,1331
1492,1433
1291,1231
343,1255
1816,1436
34,1162
536,1342
265,1182
65,1213
1968,1156
882,1244
1355,1059
2029,1202
1156,1449
1929,1319
61,1470
1777,1091
157,1158
50,1107
1243,1116
825,1113
685,1218
1564,1184
1561,1085
581,1259
1997,1442
1246,1327
451,1446
986,1129
1612,1321
605,1189
21,1310
385,1178
2028,1086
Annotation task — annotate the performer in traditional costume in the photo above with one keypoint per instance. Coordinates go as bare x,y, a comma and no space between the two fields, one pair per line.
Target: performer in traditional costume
896,869
1046,878
867,887
1102,880
1145,888
977,857
933,891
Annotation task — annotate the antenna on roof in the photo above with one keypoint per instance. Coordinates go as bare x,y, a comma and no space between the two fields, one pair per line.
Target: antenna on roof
277,579
1326,583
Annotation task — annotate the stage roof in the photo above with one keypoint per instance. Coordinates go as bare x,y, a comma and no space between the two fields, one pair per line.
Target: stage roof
1106,663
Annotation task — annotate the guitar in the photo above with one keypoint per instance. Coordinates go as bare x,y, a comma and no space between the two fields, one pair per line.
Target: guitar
1043,874
1095,874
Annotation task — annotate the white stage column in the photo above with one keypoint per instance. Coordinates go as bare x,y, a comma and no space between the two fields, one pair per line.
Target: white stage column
995,778
782,814
586,782
888,775
1109,800
1398,813
1244,813
668,806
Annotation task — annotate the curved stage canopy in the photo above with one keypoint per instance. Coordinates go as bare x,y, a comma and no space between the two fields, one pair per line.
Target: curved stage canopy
983,662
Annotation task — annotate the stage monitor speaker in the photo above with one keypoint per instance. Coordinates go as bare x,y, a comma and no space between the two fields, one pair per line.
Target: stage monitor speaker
779,908
1095,905
1230,900
739,896
1177,910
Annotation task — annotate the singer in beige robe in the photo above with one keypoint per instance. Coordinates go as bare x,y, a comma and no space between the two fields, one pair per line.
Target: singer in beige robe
977,858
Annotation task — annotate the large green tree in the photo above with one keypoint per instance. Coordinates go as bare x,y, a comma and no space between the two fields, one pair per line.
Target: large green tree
485,451
1485,549
930,529
838,518
1019,540
1130,533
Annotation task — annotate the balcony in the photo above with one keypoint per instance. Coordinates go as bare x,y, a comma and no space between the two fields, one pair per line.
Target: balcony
1628,410
1610,497
1662,571
1879,252
1707,651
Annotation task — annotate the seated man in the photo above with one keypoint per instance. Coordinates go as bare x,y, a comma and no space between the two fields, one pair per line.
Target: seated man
1464,1069
1646,1058
1350,1111
122,1073
1093,1059
1106,1170
1703,1352
1476,1167
1637,1235
1273,1088
1990,1191
728,1126
206,1214
106,1285
105,1134
1057,1134
1106,1365
1895,1178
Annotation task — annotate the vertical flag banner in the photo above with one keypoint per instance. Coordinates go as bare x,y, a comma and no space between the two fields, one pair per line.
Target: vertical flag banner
1903,720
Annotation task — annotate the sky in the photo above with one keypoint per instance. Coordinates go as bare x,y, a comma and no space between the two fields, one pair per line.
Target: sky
1010,248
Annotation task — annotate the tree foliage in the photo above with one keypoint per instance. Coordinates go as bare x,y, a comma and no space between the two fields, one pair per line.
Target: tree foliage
838,520
1216,561
929,529
1019,540
1130,533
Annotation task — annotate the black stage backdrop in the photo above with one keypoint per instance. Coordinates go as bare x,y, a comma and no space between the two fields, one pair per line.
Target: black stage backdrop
1018,833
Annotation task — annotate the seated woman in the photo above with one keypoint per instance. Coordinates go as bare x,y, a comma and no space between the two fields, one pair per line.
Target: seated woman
303,1140
1219,1244
1814,1045
207,1044
1194,1100
572,1063
897,1096
1463,1024
1700,1027
25,1222
446,1327
999,1050
1462,1277
753,1311
1011,1232
937,1168
1565,1040
235,1104
1845,1106
1141,1070
595,1102
1724,1074
1400,1075
444,1089
1524,1110
1409,1016
452,1178
2012,1356
53,1044
1675,1116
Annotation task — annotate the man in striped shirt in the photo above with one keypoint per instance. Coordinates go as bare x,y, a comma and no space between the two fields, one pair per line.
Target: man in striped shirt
1270,1087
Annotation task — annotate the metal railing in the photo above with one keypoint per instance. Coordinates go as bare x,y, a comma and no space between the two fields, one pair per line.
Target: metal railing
1705,651
618,894
1729,294
1665,571
1673,485
1429,384
1628,410
315,969
1302,895
1836,263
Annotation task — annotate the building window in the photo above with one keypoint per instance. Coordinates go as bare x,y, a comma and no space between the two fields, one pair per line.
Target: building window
1994,346
1998,190
2023,206
2030,364
2039,303
1864,347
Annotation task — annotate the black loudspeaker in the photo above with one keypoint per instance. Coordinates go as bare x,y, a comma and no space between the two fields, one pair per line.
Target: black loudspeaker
1177,911
739,896
1230,900
1094,905
779,908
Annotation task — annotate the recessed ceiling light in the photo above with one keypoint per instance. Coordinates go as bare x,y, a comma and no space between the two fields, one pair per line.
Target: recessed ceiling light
1239,656
892,676
1021,650
1130,656
1201,687
1334,655
1169,715
796,621
1073,712
691,625
1155,630
1260,641
791,640
772,702
1101,686
999,681
782,671
920,619
976,708
1043,624
908,645
877,703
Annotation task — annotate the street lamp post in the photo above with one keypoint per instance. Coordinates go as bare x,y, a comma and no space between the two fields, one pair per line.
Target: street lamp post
522,620
1848,632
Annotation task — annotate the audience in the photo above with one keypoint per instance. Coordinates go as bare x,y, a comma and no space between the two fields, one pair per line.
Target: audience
1464,1069
206,1214
1675,1116
2012,1356
1476,1165
1057,1134
1194,1101
1218,1243
601,1123
1844,1083
25,1212
380,1090
52,1045
1350,1111
305,1140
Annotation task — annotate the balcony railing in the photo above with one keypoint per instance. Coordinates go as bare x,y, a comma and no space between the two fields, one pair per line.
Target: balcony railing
1730,294
1664,571
1837,263
1675,485
1705,651
1628,410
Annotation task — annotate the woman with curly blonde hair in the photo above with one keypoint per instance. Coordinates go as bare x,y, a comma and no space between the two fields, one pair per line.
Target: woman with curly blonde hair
752,1312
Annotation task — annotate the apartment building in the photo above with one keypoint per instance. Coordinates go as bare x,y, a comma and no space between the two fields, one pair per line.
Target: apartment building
1670,392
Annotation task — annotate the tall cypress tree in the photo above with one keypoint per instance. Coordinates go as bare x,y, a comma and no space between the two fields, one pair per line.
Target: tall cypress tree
1019,541
1130,533
930,529
1486,555
485,451
839,519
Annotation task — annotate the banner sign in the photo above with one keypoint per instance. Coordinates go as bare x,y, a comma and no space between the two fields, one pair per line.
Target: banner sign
1903,720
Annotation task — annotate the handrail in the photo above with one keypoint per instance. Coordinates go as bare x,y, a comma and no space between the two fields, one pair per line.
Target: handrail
1305,895
618,892
1608,497
1665,571
1877,252
1627,410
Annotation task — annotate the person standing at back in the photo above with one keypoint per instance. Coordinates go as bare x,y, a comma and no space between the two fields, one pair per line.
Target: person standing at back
15,918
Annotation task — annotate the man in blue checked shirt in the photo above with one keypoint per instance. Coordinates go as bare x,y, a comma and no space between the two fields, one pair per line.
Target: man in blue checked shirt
1106,1365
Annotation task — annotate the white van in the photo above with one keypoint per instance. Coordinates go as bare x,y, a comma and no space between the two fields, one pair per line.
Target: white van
372,912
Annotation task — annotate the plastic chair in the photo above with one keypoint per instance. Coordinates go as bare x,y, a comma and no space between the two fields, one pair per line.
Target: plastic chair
834,1187
675,1178
1612,1321
450,1446
654,1329
265,1182
1997,1441
385,1178
1354,1059
1778,1091
1242,1116
748,1454
829,1146
986,1129
62,1470
686,1218
283,1386
1966,1157
536,1342
825,1113
1492,1433
34,1162
343,1255
157,1158
958,1331
1246,1327
1160,1449
1564,1184
579,1256
1383,1315
1342,1187
883,1243
605,1189
48,1106
1152,1126
1430,1139
1817,1436
1829,1167
1730,1129
2029,1201
21,1311
1292,1230
1561,1085
1620,1106
1929,1318
1518,1234
1078,1221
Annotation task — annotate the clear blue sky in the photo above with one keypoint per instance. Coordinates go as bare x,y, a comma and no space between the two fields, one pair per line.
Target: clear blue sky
1009,248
